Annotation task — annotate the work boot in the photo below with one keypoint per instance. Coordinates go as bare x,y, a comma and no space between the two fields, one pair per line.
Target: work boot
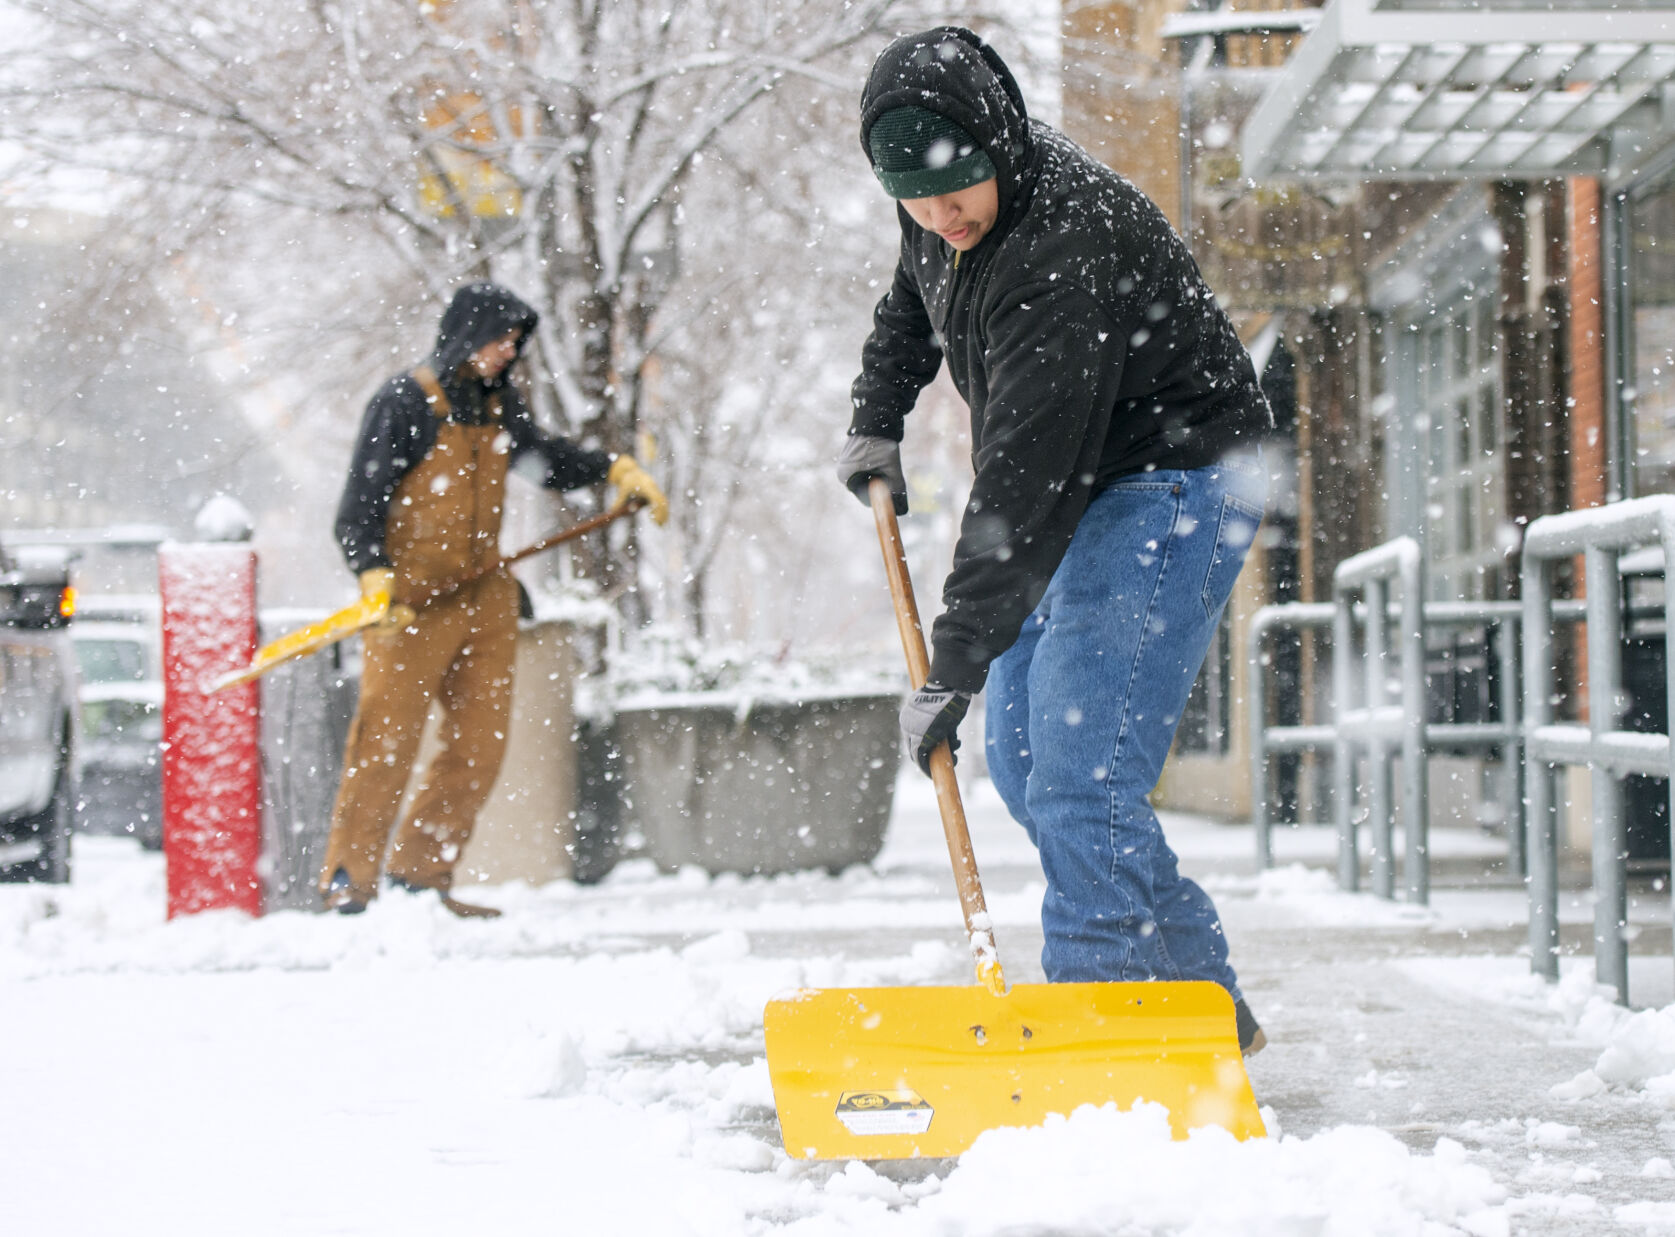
1251,1038
342,896
465,910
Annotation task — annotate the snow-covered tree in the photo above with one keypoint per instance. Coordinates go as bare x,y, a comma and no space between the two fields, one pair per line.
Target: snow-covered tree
674,185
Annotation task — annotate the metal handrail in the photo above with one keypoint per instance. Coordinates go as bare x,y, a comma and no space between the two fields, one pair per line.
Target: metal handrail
1506,735
1379,725
1603,536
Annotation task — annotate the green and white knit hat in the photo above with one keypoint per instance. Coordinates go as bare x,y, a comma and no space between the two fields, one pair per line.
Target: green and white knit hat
918,153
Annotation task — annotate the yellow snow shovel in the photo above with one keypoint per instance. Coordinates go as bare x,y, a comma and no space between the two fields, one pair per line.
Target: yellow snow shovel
895,1073
369,610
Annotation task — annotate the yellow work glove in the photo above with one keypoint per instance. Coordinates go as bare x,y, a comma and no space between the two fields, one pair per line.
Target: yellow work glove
376,586
633,482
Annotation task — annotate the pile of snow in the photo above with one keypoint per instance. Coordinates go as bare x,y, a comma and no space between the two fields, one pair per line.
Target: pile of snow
1105,1171
1637,1047
223,518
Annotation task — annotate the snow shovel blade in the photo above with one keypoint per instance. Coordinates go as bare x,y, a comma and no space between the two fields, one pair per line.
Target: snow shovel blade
897,1073
299,643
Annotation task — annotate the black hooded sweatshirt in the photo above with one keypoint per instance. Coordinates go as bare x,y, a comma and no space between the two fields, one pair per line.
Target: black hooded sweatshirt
399,427
1079,331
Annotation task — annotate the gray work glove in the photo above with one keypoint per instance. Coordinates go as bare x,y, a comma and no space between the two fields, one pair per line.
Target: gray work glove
930,715
865,456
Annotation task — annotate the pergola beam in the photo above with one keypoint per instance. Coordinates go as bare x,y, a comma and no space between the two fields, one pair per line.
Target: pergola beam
1429,94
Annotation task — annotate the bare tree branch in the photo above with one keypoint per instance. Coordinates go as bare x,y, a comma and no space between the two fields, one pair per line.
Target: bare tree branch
617,161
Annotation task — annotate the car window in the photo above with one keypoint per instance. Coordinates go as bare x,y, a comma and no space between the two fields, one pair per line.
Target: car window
111,661
136,721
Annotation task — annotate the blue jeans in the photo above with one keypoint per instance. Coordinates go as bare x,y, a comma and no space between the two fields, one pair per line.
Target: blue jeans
1083,708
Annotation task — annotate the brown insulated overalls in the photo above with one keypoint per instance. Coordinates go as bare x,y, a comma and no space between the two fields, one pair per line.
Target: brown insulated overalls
444,520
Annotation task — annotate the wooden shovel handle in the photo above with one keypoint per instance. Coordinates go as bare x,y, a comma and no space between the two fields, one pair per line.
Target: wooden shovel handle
978,928
447,588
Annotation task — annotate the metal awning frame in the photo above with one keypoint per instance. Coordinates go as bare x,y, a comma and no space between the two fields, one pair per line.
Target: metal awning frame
1468,94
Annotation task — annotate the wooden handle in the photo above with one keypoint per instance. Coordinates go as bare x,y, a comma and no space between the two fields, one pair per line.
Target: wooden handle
977,925
581,529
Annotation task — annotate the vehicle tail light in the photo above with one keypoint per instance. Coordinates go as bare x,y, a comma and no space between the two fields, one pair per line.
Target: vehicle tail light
67,602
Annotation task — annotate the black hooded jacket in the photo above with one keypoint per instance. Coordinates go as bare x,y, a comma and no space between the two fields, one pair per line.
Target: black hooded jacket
399,428
1079,331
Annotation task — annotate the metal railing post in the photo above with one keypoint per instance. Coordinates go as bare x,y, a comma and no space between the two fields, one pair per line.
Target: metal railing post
1256,687
1343,751
1266,740
1512,792
1379,806
1416,813
1541,817
1605,639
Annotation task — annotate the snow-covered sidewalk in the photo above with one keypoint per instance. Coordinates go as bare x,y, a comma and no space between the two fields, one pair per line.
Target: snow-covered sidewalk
592,1062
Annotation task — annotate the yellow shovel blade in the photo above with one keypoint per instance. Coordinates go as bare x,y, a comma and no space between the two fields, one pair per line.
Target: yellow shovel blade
329,630
894,1073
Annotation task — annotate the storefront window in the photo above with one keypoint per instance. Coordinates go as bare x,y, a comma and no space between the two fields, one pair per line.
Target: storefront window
1650,398
1458,390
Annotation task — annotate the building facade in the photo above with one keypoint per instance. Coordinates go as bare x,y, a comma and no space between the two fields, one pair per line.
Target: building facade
1452,224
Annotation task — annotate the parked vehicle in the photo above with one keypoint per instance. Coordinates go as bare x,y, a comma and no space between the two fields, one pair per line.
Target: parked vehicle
38,715
121,693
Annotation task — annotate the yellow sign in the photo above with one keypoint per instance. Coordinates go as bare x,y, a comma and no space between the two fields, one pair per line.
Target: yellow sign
457,172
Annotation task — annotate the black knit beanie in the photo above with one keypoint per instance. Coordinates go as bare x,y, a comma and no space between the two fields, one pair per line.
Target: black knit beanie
922,154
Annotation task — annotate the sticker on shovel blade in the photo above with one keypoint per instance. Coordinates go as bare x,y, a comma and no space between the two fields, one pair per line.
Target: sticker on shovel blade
884,1112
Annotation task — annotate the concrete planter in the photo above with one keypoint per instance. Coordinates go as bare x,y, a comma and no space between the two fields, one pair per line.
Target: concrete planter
758,787
596,843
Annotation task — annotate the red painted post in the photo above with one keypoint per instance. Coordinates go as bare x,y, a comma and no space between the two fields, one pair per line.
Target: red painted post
212,820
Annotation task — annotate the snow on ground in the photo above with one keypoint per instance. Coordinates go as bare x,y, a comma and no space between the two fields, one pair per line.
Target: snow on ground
592,1062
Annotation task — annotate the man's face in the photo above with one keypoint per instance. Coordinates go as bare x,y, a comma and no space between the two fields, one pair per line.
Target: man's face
962,219
493,357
